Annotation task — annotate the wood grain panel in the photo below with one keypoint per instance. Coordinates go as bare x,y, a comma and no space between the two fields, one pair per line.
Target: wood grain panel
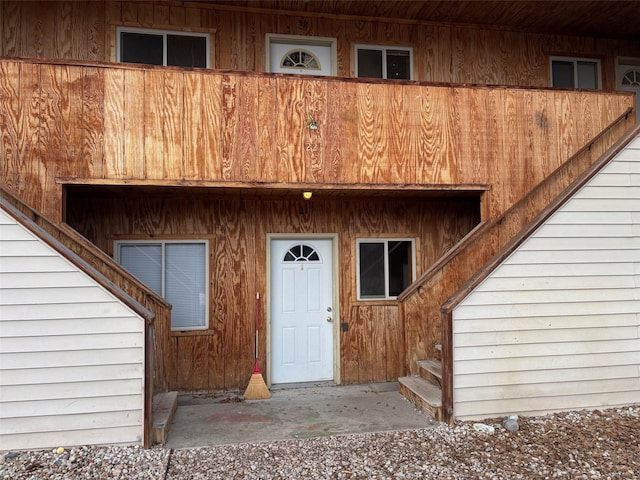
154,119
28,131
10,104
172,126
371,349
114,118
92,122
267,103
211,141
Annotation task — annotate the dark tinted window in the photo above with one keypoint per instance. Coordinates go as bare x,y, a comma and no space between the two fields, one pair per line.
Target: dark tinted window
186,51
141,48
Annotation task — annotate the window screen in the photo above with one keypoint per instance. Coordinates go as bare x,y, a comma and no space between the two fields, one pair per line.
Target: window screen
575,73
383,62
156,47
385,268
175,270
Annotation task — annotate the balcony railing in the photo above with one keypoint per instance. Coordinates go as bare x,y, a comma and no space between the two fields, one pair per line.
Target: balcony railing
117,124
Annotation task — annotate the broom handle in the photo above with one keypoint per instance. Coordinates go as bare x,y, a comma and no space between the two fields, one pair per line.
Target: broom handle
257,321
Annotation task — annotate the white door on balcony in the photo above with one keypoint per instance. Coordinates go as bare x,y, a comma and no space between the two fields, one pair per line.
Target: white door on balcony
302,326
301,55
628,77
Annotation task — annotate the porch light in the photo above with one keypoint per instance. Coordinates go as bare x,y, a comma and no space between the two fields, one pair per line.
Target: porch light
307,195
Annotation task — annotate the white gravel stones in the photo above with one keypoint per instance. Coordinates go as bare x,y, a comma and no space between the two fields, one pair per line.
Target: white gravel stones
577,445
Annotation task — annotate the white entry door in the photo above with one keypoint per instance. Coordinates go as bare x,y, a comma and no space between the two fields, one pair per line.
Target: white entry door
301,310
313,57
628,74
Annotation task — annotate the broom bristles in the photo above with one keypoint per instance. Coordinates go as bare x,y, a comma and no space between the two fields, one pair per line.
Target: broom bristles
257,389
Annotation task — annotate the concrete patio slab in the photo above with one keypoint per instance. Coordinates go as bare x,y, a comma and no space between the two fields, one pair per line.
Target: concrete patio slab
305,411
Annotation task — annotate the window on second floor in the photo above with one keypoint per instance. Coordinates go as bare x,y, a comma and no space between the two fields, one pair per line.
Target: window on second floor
384,62
569,72
386,267
160,47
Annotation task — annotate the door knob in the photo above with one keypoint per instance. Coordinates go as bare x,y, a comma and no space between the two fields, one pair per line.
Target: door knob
329,319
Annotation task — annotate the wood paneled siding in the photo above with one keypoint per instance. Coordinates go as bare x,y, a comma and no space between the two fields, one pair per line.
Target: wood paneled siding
166,126
85,30
72,356
556,326
236,227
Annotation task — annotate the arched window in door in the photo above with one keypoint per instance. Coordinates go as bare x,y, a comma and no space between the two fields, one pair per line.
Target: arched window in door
632,77
301,253
300,58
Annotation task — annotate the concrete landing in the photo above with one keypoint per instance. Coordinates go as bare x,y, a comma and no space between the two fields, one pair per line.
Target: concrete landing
293,413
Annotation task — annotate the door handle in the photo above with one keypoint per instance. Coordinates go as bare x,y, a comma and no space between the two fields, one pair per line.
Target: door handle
329,319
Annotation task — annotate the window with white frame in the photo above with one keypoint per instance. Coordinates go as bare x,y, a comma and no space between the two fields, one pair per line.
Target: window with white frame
384,62
569,72
176,270
162,47
385,268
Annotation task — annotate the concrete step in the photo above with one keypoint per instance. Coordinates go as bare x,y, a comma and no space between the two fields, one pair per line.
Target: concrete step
431,370
164,407
426,396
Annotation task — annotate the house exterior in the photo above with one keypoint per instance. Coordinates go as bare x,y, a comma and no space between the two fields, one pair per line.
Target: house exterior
332,159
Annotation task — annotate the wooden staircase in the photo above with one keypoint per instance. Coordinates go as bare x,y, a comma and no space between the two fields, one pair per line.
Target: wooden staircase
425,389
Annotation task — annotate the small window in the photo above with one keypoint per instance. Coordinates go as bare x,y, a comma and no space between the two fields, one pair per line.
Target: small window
176,270
575,73
301,253
631,78
157,47
384,62
385,267
300,59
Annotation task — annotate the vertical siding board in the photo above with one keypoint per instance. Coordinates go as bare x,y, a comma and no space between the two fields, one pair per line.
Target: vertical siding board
133,125
290,130
114,121
10,112
229,127
315,100
373,133
474,136
172,126
51,136
28,182
194,157
213,138
92,164
436,138
154,120
245,165
266,160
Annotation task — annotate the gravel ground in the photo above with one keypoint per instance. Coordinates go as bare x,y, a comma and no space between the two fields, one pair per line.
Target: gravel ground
601,444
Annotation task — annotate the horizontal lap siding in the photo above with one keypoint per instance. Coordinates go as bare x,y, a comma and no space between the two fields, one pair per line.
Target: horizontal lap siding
71,355
557,325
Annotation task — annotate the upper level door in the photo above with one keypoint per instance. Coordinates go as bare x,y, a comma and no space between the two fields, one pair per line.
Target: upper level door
302,311
301,55
628,78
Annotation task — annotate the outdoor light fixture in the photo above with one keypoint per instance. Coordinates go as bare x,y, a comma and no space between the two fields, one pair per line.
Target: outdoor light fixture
307,195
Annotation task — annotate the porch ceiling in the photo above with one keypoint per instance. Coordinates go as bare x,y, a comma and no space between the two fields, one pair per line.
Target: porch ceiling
596,18
275,191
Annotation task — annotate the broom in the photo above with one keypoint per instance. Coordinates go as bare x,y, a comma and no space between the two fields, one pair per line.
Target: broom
257,389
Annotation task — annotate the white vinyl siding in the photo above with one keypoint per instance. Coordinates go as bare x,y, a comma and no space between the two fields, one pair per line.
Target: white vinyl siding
557,325
71,355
